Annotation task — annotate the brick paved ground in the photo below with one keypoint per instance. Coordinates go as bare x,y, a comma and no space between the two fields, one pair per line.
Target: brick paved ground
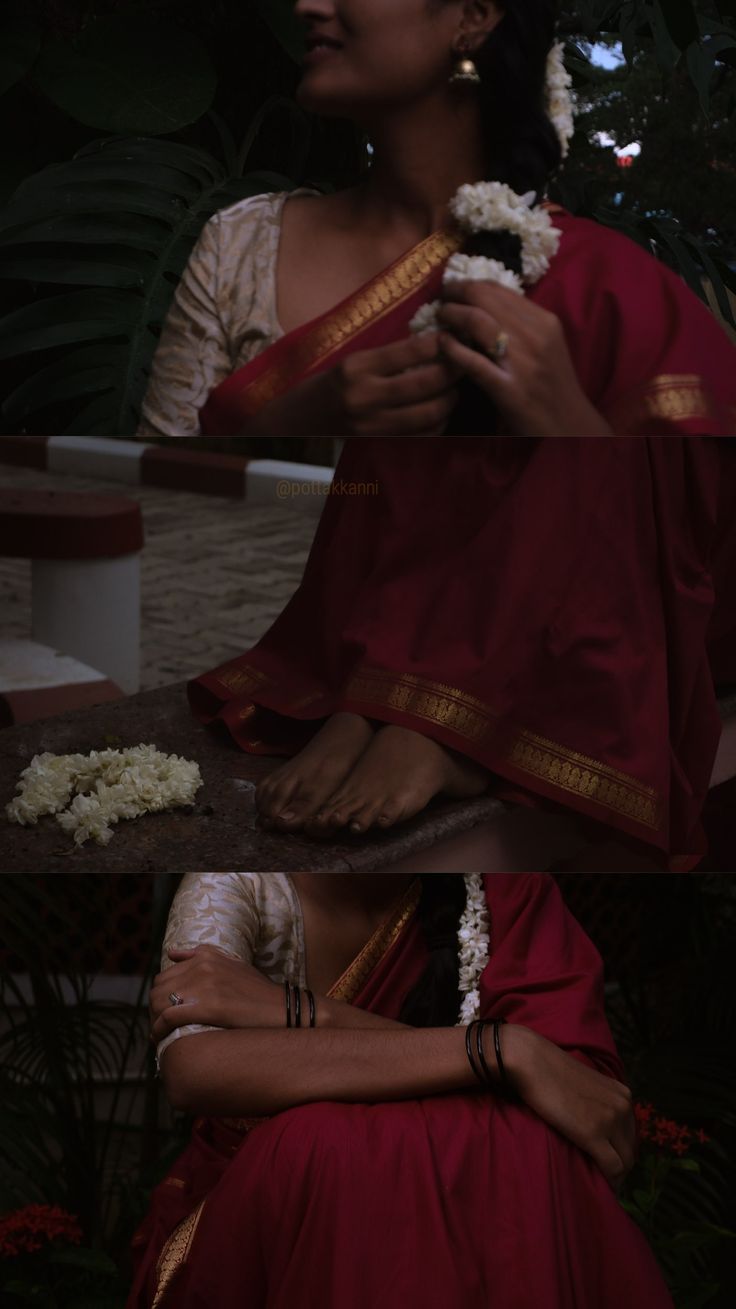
215,573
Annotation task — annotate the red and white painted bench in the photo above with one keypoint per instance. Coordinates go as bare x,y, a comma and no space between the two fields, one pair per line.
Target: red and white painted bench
85,576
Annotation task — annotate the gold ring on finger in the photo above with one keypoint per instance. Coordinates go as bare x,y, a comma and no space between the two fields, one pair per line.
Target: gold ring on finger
500,348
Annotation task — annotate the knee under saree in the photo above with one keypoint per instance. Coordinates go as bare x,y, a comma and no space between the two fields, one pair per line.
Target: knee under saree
465,1201
556,609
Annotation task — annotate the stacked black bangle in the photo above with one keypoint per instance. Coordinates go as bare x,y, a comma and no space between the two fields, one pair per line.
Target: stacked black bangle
296,991
481,1069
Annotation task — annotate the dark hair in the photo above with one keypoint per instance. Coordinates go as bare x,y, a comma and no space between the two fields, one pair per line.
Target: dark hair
523,148
435,1000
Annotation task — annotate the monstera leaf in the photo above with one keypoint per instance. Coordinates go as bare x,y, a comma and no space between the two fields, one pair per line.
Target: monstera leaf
129,73
104,240
280,18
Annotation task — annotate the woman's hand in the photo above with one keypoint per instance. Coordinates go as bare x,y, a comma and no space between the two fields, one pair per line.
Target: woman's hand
216,990
593,1111
535,387
406,388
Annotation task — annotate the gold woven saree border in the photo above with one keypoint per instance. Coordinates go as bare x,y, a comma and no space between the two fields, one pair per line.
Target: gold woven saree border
566,769
472,720
175,1252
370,304
386,934
671,397
579,775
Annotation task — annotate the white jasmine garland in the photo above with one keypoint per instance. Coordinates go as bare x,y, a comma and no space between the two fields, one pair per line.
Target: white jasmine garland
470,268
494,207
474,947
560,104
90,793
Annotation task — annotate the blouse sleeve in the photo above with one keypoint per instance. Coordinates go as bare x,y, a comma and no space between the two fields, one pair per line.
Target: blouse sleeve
210,909
192,356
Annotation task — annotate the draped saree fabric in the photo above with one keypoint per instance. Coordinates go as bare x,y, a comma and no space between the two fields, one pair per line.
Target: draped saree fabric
545,607
466,1201
648,354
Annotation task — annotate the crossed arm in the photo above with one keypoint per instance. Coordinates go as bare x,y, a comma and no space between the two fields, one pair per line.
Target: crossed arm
257,1067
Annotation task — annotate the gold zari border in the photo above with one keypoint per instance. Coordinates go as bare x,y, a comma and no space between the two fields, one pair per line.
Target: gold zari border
175,1252
673,397
368,305
350,983
386,934
582,776
534,755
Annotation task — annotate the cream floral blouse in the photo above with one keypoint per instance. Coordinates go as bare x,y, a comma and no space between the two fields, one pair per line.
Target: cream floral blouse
255,917
223,313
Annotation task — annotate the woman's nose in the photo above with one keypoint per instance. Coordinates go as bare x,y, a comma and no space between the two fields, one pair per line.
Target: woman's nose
315,9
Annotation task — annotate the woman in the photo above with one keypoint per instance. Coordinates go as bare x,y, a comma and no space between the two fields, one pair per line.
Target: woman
535,617
360,1162
292,317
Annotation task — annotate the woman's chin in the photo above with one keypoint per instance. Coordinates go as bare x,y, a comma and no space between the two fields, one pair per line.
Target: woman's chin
319,95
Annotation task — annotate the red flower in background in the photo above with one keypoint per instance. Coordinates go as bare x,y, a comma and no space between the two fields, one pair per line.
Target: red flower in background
29,1228
665,1132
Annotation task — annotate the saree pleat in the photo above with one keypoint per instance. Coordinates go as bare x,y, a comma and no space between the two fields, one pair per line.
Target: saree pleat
543,607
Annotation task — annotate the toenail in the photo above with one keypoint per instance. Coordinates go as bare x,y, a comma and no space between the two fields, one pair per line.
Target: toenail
356,827
287,815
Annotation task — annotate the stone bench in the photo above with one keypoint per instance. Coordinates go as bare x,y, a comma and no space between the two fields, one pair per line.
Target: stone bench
220,831
85,571
37,681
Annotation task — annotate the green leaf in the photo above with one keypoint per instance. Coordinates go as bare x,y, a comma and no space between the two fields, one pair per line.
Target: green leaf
701,66
79,272
94,1261
86,230
129,74
66,319
681,20
279,16
686,1165
667,49
21,42
80,373
136,248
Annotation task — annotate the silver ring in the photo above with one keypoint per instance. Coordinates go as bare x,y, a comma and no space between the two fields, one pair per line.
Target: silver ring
500,348
175,998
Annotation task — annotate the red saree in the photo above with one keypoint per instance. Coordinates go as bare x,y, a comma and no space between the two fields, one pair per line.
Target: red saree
453,1200
648,354
554,609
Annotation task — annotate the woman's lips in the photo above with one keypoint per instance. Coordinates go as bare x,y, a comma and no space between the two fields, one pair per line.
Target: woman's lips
320,52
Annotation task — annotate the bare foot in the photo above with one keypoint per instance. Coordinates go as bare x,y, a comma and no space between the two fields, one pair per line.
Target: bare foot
394,778
298,788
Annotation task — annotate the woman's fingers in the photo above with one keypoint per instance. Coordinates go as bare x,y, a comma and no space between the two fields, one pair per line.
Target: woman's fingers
491,377
174,1016
609,1161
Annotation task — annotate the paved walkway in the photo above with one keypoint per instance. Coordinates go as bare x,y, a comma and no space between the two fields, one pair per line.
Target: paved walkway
215,573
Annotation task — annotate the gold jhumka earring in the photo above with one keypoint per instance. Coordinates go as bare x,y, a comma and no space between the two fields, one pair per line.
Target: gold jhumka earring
465,69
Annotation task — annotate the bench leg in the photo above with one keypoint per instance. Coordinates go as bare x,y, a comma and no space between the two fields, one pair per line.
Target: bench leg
90,609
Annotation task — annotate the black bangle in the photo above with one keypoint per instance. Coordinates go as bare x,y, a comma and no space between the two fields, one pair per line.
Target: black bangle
312,1009
497,1048
490,1081
297,1006
287,992
469,1051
